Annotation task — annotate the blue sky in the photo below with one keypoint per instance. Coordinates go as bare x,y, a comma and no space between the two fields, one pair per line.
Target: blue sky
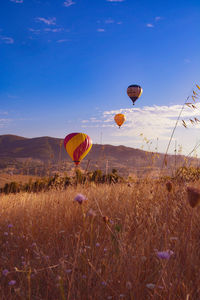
65,67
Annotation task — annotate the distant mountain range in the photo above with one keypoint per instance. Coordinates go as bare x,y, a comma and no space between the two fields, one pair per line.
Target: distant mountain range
47,154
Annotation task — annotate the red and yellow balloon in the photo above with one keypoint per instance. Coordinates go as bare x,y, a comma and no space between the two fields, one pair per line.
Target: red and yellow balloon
119,119
77,146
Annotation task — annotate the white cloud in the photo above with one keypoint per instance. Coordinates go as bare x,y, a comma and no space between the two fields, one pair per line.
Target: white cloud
53,29
17,1
48,21
100,30
154,122
7,40
68,3
150,25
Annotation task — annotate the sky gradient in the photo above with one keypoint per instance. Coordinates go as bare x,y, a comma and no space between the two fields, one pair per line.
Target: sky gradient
65,67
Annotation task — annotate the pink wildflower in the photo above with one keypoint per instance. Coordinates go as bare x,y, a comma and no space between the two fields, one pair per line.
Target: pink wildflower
12,282
5,272
80,198
165,254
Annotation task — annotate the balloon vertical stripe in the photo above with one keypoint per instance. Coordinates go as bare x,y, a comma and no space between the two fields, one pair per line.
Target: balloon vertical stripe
68,137
80,151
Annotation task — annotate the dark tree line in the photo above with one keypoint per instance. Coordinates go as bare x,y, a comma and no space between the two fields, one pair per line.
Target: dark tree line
61,182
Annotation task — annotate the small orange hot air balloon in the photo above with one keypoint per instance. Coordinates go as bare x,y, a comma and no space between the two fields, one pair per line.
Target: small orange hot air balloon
134,91
77,146
119,119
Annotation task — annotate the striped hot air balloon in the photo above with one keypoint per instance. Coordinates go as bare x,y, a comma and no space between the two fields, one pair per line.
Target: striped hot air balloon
134,91
77,146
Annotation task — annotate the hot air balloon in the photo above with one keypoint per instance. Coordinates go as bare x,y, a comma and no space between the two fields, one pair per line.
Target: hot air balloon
77,146
119,119
134,91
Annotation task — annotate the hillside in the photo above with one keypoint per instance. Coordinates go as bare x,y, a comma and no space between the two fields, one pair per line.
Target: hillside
39,156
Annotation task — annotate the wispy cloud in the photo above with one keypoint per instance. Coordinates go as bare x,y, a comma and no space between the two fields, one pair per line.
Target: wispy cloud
35,31
6,40
53,29
17,1
48,29
153,121
62,41
3,112
4,122
100,29
115,0
109,21
158,18
150,25
48,21
68,3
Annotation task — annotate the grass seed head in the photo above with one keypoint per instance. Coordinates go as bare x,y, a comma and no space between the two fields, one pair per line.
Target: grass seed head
169,186
105,219
193,196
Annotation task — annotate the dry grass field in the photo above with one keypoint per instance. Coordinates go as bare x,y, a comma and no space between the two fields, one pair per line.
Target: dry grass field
7,178
108,247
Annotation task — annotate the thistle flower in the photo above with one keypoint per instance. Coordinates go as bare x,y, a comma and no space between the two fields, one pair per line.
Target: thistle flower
5,272
165,254
193,196
151,286
80,198
12,282
91,213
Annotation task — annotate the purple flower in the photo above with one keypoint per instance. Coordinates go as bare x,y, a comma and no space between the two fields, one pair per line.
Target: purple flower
10,225
80,198
68,270
5,272
91,213
12,282
151,286
165,254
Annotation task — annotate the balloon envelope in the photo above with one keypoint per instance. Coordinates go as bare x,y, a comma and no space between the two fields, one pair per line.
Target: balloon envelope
119,119
134,91
77,146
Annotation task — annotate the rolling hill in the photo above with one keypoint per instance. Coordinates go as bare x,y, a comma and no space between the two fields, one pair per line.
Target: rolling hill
46,155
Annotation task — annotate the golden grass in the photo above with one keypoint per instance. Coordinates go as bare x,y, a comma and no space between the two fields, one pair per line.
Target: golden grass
55,250
6,178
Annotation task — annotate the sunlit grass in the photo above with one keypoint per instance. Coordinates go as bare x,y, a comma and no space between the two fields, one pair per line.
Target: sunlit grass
107,247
